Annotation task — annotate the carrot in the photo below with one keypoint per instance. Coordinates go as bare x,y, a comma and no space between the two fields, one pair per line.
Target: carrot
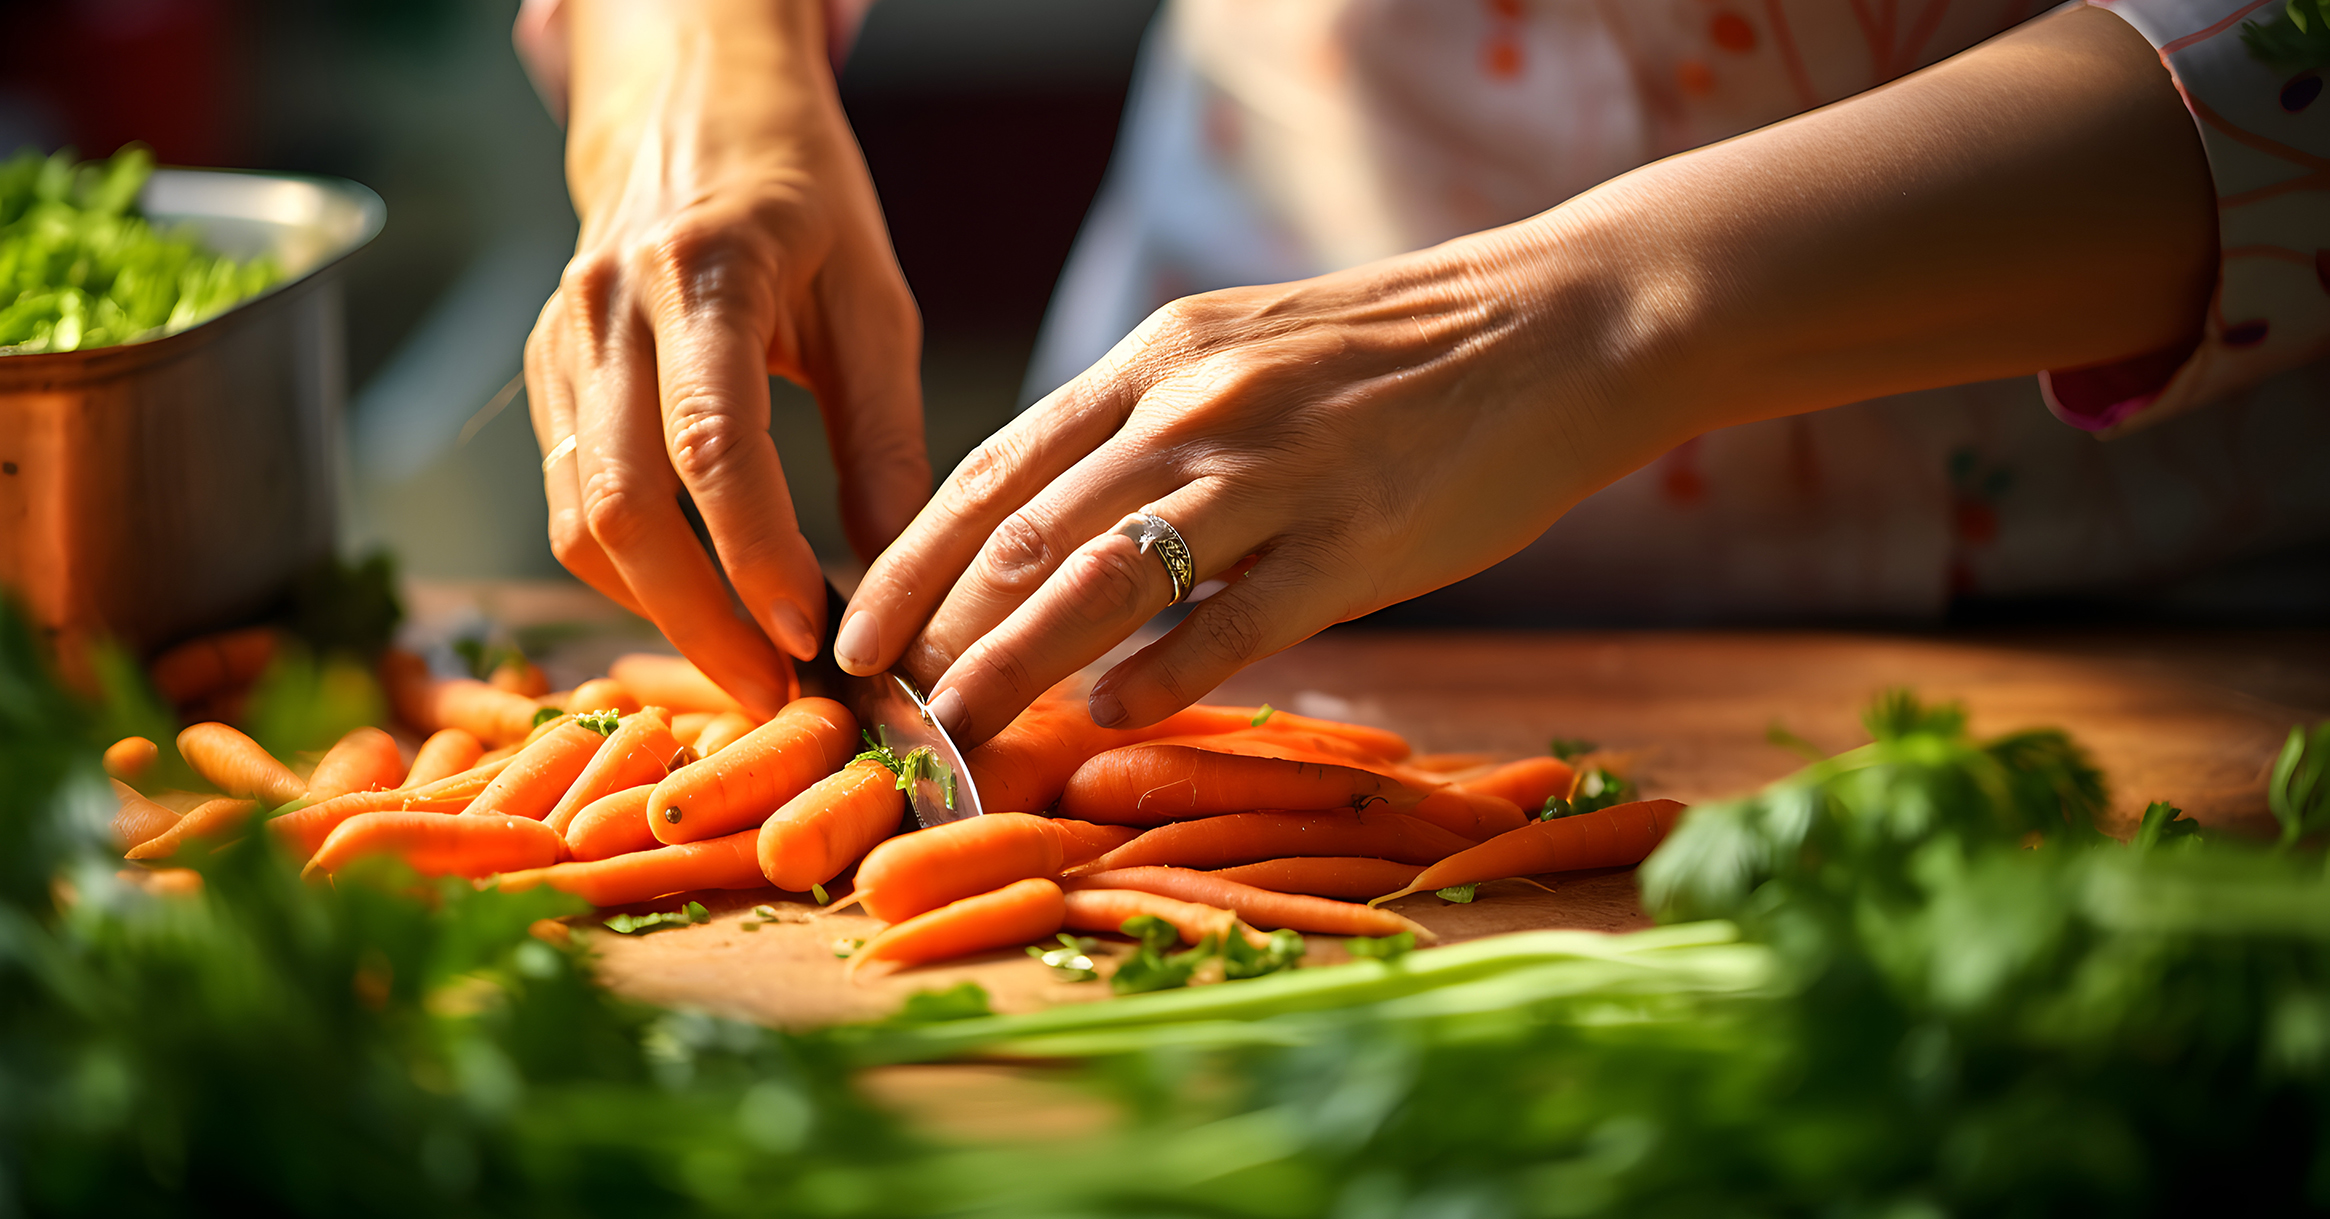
304,830
1526,783
1151,784
448,751
1024,767
602,694
741,785
1235,838
1108,909
435,844
130,757
535,779
492,715
729,862
164,882
726,728
1478,816
924,870
1615,837
614,824
1349,877
687,727
1081,842
365,760
821,832
1017,913
234,764
670,681
138,819
1452,763
640,750
213,664
1258,907
211,819
521,677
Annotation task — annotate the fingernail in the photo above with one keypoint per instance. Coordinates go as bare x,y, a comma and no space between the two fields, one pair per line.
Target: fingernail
855,646
1107,711
793,631
947,709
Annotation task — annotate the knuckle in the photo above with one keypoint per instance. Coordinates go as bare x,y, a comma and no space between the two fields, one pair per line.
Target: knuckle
1108,580
590,280
704,438
985,472
1233,631
1019,553
611,513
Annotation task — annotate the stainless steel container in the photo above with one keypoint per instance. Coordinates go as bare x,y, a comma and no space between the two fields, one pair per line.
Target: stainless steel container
154,490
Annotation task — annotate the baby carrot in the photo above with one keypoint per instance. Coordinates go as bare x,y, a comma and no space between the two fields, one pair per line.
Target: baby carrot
211,664
493,715
715,863
741,785
1478,816
1107,909
1349,877
436,844
1526,783
924,870
614,824
303,830
640,750
825,829
139,819
211,819
1151,784
687,727
448,751
602,694
1023,767
1258,907
1218,842
725,729
1081,842
535,779
670,681
234,764
365,760
130,757
521,677
1017,913
1615,837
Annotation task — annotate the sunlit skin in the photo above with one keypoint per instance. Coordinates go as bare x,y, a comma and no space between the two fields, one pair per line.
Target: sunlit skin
2039,201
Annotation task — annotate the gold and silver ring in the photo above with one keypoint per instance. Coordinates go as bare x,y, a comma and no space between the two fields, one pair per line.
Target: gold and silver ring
1150,531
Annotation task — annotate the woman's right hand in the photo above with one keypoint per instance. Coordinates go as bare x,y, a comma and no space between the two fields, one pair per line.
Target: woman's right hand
729,231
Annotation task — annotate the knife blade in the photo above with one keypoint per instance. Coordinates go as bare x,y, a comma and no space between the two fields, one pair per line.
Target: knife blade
889,706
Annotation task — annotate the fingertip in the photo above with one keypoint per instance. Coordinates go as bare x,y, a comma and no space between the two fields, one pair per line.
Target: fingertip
858,647
1108,711
794,630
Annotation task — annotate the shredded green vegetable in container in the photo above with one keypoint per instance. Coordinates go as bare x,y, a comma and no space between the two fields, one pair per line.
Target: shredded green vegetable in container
80,268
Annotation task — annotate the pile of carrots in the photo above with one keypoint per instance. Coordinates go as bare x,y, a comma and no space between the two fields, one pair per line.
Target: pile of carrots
652,781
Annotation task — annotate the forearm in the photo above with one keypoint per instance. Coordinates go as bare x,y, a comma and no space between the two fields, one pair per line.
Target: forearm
2040,201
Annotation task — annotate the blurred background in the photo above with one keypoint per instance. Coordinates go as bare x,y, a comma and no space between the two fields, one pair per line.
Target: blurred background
987,124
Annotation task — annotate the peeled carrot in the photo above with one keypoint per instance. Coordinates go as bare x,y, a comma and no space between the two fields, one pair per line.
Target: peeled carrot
670,681
164,882
729,862
212,664
1235,838
825,829
1478,816
1081,842
640,750
1452,763
1108,909
448,751
1615,837
740,786
1350,877
688,726
492,715
1018,913
304,829
1024,767
924,870
210,819
535,779
130,757
725,729
1151,784
1526,783
602,694
138,819
523,678
436,844
234,764
366,759
614,824
1259,907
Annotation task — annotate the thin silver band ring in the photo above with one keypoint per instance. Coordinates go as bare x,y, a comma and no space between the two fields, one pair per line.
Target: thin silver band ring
1150,531
561,449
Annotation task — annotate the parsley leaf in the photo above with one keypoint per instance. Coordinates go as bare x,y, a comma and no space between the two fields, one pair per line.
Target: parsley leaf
637,924
1263,716
1570,748
601,722
1071,961
1460,894
2165,825
1599,789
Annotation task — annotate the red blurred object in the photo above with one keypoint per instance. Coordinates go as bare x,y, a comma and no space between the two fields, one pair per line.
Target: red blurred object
113,71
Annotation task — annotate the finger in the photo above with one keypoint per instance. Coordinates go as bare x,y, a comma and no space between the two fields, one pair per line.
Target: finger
550,404
1289,595
1102,593
871,400
629,501
907,583
714,385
